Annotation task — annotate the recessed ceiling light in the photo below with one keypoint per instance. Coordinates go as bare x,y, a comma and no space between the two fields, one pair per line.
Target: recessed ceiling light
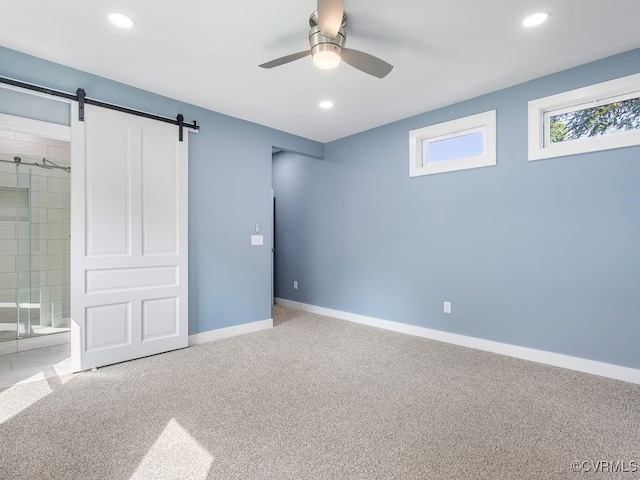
121,20
536,19
326,104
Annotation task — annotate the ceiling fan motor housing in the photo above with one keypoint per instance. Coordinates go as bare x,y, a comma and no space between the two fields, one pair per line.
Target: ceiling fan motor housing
320,42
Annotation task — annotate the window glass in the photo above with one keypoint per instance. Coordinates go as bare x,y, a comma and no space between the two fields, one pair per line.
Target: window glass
461,146
600,120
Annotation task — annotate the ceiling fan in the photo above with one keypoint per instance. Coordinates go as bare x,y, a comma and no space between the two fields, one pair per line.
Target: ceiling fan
327,38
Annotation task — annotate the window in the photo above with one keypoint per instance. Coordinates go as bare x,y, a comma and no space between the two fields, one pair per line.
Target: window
468,142
598,117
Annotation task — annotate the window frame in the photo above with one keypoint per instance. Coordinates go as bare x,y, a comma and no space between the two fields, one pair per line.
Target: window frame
542,109
482,122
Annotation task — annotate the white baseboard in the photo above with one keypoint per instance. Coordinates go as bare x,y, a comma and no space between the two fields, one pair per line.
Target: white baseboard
616,372
227,332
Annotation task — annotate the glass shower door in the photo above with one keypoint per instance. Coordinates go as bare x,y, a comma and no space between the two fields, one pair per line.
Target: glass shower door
23,248
8,253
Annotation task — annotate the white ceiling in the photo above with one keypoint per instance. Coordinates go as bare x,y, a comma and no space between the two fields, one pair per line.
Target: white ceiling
207,52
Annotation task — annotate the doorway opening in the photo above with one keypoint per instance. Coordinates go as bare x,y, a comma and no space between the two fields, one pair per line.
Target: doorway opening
35,232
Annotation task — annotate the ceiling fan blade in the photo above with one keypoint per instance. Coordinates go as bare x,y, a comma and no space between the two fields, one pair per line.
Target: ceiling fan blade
330,14
366,63
286,59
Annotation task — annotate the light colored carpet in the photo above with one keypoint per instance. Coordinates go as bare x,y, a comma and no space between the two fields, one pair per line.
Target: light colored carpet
319,398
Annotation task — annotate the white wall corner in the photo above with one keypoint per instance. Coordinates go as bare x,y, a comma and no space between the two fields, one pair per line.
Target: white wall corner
219,334
616,372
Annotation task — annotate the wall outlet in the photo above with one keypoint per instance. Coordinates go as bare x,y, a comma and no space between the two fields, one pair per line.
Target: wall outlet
447,307
295,284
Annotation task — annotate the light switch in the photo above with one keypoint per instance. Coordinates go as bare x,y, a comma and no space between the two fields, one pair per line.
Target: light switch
257,240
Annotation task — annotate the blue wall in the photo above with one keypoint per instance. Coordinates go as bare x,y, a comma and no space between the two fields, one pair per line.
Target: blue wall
541,254
229,187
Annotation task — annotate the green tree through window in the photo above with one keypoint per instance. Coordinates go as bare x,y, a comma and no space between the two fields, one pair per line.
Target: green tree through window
601,120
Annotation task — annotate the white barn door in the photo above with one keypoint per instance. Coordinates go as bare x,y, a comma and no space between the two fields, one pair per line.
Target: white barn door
128,238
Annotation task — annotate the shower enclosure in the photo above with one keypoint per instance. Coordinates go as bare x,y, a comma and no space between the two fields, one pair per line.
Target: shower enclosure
34,242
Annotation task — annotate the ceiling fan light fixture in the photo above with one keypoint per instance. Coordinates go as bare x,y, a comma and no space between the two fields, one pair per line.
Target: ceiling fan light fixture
326,59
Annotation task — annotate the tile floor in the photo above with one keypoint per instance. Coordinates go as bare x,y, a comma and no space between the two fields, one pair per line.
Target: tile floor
34,365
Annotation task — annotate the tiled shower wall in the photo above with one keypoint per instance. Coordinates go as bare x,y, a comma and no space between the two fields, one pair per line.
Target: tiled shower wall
40,280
